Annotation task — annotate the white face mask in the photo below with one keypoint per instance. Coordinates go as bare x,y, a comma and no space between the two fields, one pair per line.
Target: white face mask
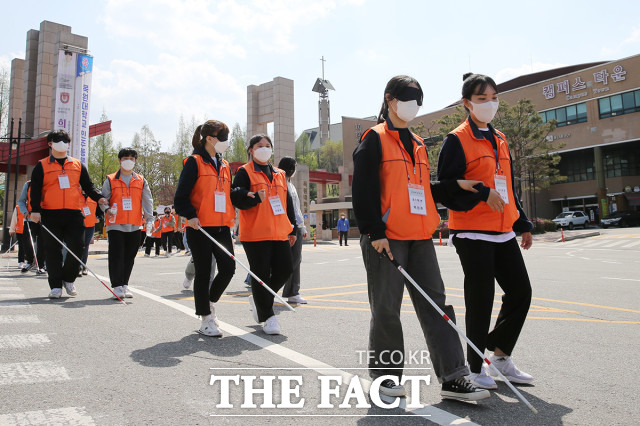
127,164
222,146
407,110
485,111
262,154
59,146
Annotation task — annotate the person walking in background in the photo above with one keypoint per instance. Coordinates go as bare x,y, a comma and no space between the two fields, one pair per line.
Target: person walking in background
203,197
130,192
484,236
291,288
15,230
90,213
394,203
35,244
343,229
56,185
168,228
267,227
156,234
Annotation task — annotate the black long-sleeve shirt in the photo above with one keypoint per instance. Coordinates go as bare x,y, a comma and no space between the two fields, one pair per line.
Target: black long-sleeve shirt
240,189
366,183
452,164
37,179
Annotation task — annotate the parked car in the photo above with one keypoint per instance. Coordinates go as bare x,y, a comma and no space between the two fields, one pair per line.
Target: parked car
571,220
622,218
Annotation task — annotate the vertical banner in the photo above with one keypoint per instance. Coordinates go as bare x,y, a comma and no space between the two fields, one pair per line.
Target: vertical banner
64,105
80,137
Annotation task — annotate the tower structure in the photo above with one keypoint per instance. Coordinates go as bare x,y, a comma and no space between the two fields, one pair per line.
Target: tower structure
322,87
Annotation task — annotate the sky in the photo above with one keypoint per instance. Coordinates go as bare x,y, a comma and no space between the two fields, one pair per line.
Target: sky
155,61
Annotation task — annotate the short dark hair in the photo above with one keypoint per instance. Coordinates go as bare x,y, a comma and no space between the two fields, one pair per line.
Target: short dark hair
58,135
394,87
474,84
128,152
288,164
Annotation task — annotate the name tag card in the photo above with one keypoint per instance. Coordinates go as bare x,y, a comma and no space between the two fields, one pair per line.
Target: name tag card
63,181
221,202
126,204
86,211
501,186
417,200
276,205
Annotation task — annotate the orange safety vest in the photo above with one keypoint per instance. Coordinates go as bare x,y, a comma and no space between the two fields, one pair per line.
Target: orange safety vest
53,197
19,221
119,191
204,191
165,221
258,223
157,225
89,219
481,165
396,173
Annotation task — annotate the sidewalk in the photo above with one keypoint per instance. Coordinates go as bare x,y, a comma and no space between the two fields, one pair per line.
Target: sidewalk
556,236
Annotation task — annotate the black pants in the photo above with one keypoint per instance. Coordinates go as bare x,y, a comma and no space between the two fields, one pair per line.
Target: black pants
38,241
483,263
292,285
167,241
271,261
68,227
177,240
202,249
150,242
123,247
21,247
343,234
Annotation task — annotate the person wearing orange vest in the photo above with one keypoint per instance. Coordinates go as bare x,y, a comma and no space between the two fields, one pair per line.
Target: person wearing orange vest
155,228
203,197
484,235
33,230
90,212
15,230
180,228
168,229
129,196
394,204
267,227
56,184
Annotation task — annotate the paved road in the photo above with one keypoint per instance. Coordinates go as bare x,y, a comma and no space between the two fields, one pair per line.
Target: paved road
89,359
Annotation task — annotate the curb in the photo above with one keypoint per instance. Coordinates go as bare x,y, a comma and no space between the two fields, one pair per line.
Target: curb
575,237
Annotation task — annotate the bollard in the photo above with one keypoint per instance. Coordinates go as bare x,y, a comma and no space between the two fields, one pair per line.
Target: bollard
440,237
562,234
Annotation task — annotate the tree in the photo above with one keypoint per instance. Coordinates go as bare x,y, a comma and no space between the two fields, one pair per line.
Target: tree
238,146
304,154
4,101
148,149
330,156
182,146
103,157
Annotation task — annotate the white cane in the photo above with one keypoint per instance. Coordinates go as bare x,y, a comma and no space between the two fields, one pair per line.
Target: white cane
248,270
8,250
453,324
82,263
35,256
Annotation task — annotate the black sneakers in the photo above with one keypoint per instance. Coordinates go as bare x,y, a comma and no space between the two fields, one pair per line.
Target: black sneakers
460,389
388,388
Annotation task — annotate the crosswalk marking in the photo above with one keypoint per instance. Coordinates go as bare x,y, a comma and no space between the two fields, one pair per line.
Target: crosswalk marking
633,244
613,244
17,341
56,416
3,289
22,319
14,304
32,372
11,296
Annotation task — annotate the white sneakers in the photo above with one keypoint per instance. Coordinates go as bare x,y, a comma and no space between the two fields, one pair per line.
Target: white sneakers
505,365
482,380
297,299
271,325
56,293
213,313
127,292
119,291
254,311
209,327
187,283
70,288
20,265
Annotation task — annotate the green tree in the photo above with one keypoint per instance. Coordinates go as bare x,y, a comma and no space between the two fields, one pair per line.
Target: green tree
330,156
304,154
237,150
103,156
4,102
147,164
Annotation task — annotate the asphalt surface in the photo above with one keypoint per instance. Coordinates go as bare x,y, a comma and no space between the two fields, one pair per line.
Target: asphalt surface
92,360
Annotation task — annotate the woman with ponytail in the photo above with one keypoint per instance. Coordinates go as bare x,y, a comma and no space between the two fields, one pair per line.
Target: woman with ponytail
203,197
484,234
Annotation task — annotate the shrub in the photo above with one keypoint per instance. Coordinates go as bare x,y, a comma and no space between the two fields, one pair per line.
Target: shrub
442,227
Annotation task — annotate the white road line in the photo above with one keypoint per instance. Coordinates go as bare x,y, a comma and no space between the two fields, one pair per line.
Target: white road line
10,289
32,372
431,413
615,243
56,416
171,273
14,304
11,296
22,319
17,341
594,243
621,279
633,244
343,260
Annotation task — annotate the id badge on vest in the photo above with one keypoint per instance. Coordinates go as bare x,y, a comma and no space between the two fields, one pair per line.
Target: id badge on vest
276,205
63,181
417,200
220,202
501,186
126,204
86,211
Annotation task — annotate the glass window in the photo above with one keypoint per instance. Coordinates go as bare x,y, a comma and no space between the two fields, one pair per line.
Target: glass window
572,115
543,116
605,107
582,113
551,115
561,116
637,96
628,102
616,104
624,103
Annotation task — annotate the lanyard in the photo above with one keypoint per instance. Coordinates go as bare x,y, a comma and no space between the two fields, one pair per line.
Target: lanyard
405,161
